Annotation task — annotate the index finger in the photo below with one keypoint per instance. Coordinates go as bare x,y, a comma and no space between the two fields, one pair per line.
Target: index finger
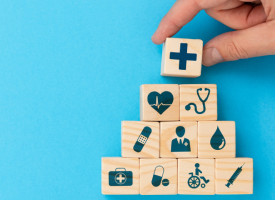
182,12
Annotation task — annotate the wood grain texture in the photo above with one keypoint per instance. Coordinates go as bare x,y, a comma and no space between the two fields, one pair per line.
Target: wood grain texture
130,133
147,167
206,130
147,113
225,168
110,164
186,166
170,67
168,133
188,94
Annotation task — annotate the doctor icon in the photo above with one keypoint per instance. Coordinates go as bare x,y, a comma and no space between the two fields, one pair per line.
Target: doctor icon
180,144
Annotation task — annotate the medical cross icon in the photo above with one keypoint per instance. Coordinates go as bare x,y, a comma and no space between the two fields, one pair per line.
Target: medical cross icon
120,178
183,56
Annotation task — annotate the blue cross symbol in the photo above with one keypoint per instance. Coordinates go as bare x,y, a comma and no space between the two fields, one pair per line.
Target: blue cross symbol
183,56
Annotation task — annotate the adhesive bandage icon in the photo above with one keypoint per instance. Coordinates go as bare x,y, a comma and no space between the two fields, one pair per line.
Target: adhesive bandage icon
142,139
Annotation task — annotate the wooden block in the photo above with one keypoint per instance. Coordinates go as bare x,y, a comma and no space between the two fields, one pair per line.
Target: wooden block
201,181
178,139
140,139
158,176
120,175
181,57
198,102
216,139
234,176
159,102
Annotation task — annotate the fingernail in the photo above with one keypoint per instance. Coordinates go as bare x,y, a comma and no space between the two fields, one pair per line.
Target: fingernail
211,57
153,38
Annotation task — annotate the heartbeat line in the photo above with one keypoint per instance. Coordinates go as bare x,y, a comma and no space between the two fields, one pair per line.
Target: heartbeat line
157,103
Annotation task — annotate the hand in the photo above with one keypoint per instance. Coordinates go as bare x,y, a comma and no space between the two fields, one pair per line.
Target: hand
254,22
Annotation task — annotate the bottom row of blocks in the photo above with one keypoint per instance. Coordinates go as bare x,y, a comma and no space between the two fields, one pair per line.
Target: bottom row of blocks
177,176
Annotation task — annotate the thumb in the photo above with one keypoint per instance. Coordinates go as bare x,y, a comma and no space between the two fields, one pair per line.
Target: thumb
252,42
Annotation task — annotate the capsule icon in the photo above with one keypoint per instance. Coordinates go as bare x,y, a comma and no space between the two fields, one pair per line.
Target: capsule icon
157,176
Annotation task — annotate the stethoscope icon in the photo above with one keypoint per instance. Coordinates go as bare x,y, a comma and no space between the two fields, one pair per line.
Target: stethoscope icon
188,107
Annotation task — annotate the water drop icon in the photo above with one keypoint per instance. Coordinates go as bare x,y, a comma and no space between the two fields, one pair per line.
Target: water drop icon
217,141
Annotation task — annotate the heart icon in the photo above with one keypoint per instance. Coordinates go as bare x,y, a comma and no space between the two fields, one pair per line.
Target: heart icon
160,102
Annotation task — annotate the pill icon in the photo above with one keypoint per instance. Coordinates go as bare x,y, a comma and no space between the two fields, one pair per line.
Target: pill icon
157,176
165,182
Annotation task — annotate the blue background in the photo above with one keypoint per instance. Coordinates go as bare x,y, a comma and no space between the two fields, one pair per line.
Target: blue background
71,72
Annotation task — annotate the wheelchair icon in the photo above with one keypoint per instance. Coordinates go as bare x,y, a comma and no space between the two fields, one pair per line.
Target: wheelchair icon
195,181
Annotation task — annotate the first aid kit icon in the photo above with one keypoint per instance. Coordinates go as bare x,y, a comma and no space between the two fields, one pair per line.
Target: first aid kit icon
120,177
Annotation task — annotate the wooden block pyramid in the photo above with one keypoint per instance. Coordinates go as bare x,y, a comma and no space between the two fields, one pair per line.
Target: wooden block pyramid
178,147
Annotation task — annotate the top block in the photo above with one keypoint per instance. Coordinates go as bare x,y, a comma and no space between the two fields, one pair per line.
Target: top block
182,57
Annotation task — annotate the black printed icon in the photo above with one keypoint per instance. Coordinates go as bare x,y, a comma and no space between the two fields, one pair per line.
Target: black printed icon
142,139
157,177
234,176
180,144
217,141
183,56
120,177
188,107
195,180
160,102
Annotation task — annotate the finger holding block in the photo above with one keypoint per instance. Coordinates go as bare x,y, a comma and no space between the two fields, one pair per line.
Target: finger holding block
120,175
234,176
181,57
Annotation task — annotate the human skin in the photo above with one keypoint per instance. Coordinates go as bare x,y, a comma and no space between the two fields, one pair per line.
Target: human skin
254,22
